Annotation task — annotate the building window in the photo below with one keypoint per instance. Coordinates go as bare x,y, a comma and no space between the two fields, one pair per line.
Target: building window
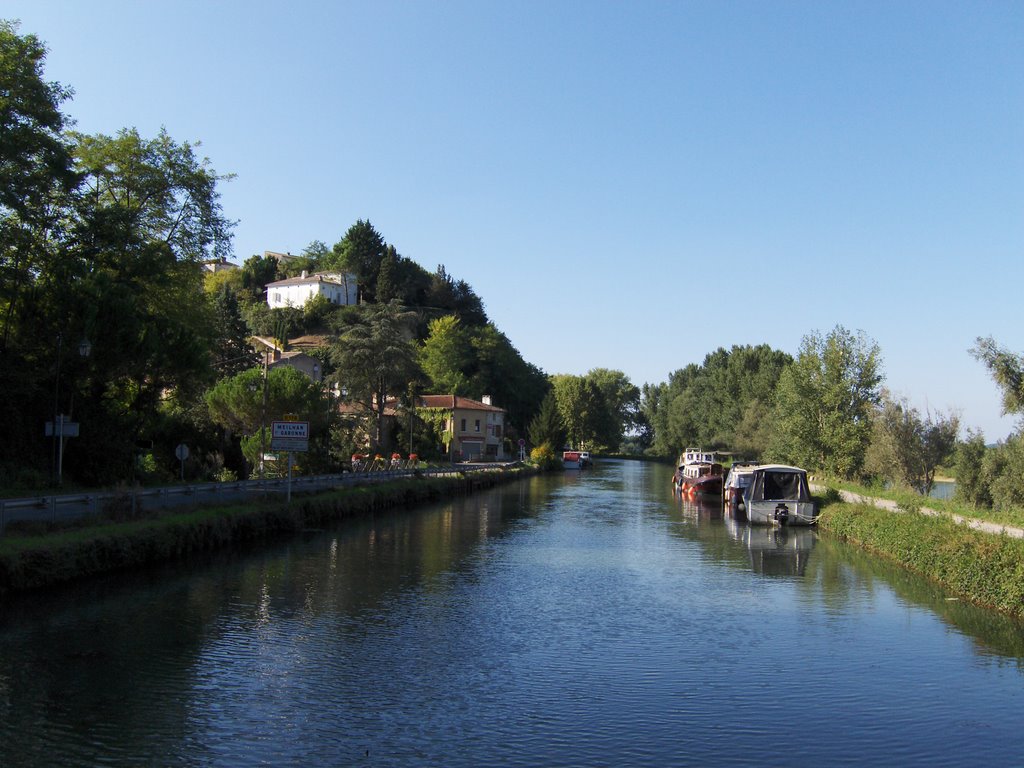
463,425
497,430
477,425
277,297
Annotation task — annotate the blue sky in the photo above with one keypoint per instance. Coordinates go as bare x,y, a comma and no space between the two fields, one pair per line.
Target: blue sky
626,185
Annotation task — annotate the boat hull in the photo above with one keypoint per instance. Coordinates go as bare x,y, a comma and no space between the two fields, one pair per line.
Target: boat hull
707,484
576,459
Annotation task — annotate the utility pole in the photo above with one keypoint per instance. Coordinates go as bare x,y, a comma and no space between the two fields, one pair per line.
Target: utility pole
263,418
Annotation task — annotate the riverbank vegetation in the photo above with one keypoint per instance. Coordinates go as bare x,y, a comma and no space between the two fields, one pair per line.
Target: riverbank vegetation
828,411
39,557
975,566
910,500
110,315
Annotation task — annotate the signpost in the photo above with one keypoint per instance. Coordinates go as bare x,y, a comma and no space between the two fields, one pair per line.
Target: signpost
182,453
64,428
289,436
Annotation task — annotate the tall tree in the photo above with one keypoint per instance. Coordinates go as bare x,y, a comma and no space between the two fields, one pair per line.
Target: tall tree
547,427
317,251
35,169
622,398
361,252
387,286
907,448
34,154
824,402
237,402
233,352
153,191
445,355
719,403
583,409
257,272
969,466
1006,369
498,369
446,294
147,215
249,401
35,180
376,359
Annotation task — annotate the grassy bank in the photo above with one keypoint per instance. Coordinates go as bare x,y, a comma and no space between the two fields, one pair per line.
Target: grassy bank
910,500
39,560
975,566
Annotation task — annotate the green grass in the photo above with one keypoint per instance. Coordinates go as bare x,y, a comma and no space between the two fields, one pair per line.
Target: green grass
910,500
984,568
42,556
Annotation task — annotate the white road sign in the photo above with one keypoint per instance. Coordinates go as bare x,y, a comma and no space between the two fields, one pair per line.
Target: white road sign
290,429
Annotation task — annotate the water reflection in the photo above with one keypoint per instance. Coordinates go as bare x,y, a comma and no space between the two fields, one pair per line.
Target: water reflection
838,575
775,551
993,634
590,619
700,509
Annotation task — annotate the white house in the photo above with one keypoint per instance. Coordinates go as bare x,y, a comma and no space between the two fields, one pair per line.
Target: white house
337,288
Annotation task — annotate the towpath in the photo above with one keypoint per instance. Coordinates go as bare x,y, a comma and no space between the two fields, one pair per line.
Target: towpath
971,522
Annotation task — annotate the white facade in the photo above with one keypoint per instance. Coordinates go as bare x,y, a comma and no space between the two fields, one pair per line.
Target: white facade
296,291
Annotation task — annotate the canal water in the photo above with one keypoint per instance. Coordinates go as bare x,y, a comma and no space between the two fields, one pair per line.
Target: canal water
585,619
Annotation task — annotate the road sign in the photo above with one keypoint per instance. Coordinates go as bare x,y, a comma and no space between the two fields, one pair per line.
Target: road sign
290,429
181,452
288,444
289,435
65,428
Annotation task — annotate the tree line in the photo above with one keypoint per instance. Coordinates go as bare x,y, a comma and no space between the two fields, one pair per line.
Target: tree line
102,246
103,238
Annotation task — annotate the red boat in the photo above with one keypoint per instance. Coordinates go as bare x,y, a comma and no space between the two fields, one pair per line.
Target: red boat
698,474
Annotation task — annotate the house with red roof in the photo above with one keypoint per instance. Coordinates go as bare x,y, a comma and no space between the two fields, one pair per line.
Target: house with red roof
476,427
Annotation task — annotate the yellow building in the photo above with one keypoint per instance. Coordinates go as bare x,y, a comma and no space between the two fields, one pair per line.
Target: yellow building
477,426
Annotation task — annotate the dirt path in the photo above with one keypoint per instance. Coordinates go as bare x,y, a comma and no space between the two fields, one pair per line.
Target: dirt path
970,522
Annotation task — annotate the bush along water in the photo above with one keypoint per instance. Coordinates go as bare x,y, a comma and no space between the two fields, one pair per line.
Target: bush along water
984,568
33,561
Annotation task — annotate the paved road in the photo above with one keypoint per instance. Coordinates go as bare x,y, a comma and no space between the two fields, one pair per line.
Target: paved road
59,507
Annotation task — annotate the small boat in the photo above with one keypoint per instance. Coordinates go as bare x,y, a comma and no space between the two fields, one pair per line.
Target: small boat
698,473
779,495
576,459
736,481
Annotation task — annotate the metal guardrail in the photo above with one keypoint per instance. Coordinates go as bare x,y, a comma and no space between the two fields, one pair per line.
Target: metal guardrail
57,507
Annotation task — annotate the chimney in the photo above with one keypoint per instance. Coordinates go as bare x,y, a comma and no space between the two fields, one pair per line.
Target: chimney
303,274
486,400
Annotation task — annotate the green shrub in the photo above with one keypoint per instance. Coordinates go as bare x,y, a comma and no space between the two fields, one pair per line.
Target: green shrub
545,458
39,554
981,567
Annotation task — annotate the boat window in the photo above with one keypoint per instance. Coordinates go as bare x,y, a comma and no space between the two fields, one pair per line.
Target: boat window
781,485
